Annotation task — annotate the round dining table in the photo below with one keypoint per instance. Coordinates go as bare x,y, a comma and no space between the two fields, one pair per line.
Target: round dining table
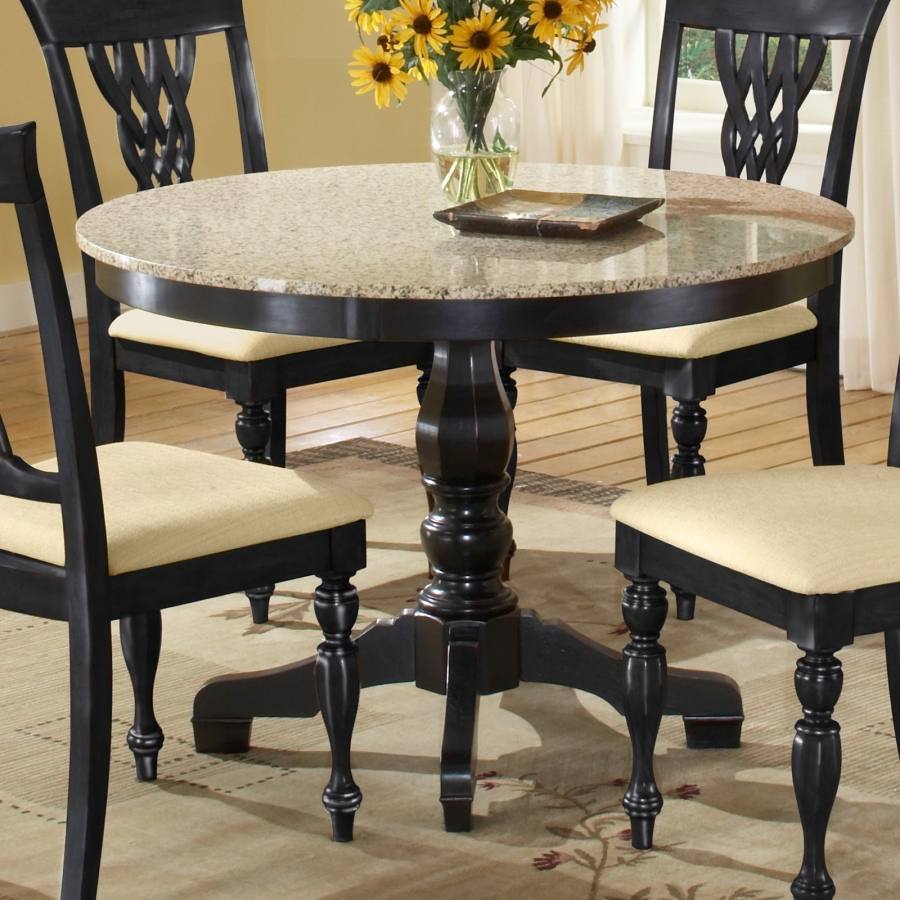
356,253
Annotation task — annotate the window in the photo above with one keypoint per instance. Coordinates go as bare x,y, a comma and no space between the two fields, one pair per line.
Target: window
698,57
698,82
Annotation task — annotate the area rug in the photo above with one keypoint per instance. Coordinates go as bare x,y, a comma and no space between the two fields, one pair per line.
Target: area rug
552,761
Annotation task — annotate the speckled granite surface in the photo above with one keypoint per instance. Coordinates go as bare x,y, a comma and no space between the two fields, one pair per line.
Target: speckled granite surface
368,231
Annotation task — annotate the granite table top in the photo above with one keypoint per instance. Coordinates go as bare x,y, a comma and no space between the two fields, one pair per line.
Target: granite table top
369,232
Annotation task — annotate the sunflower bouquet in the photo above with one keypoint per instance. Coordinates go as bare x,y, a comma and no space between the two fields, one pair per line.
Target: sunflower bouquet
466,45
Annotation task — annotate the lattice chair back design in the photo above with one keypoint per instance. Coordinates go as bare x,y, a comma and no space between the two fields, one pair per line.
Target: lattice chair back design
811,551
143,57
124,530
769,54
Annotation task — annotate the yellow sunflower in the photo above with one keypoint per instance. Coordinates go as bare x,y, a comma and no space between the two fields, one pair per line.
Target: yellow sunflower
380,71
591,9
585,43
367,22
479,41
423,22
423,69
549,16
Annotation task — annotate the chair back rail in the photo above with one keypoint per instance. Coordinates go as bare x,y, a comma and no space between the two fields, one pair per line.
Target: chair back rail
125,42
784,48
76,485
828,18
73,23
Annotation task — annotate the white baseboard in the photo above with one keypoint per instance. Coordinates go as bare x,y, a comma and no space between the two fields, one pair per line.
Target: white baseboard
17,304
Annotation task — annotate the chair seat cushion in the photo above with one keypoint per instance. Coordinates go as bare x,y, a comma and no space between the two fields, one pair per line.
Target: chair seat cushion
233,344
710,338
166,504
813,531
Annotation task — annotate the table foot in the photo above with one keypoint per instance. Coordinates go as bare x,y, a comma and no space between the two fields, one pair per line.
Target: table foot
713,734
554,653
222,735
458,754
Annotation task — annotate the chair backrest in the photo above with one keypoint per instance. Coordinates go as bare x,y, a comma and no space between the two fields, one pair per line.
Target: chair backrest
785,48
127,43
76,485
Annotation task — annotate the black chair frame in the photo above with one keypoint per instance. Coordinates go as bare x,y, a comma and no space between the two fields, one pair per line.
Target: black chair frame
755,145
819,625
83,593
160,151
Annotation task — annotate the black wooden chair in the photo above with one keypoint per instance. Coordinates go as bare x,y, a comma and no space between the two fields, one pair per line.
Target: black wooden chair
784,50
122,531
811,551
126,46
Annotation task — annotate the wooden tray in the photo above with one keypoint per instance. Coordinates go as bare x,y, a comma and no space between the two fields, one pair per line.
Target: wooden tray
546,214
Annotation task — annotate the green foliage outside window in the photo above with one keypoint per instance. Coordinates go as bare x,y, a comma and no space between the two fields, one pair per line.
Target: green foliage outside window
698,57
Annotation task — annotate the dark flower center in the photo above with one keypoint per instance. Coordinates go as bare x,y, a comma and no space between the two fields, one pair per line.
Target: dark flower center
384,42
481,40
590,46
422,24
552,9
381,72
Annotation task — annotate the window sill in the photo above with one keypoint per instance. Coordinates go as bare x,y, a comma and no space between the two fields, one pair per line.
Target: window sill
700,132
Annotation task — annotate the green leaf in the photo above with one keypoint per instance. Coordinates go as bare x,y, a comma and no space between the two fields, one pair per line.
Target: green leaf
499,145
378,5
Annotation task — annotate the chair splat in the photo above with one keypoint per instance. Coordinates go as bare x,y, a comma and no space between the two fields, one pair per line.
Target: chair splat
158,148
763,143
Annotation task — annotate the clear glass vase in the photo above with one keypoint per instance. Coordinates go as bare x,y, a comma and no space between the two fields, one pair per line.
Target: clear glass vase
475,136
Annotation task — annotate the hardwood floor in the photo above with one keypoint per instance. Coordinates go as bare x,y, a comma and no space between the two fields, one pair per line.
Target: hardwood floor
572,427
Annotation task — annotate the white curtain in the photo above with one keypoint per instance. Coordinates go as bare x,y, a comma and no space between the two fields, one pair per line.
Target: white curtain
870,305
580,118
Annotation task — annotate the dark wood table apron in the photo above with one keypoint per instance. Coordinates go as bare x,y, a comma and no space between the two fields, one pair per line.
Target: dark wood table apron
467,637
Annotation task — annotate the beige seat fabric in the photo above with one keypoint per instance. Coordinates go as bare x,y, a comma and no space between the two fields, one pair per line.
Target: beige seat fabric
813,531
211,340
709,339
166,504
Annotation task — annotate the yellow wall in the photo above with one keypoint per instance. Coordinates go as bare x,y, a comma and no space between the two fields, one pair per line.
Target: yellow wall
312,117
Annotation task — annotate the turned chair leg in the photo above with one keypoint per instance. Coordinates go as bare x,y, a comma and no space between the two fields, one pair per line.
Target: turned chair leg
892,651
253,428
337,681
141,637
655,429
816,765
644,608
689,425
90,679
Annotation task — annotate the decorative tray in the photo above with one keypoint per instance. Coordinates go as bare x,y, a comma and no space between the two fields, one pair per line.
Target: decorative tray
545,214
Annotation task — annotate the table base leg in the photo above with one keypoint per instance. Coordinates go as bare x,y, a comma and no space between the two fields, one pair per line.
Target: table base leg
458,751
554,653
463,659
225,707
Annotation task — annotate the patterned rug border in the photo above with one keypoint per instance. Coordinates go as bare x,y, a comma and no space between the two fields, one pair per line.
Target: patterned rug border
395,455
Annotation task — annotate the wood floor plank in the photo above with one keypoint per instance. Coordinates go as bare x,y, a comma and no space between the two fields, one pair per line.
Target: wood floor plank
573,427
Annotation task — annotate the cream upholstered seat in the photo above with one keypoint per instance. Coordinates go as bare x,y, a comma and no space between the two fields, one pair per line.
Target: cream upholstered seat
166,504
212,340
813,531
710,338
